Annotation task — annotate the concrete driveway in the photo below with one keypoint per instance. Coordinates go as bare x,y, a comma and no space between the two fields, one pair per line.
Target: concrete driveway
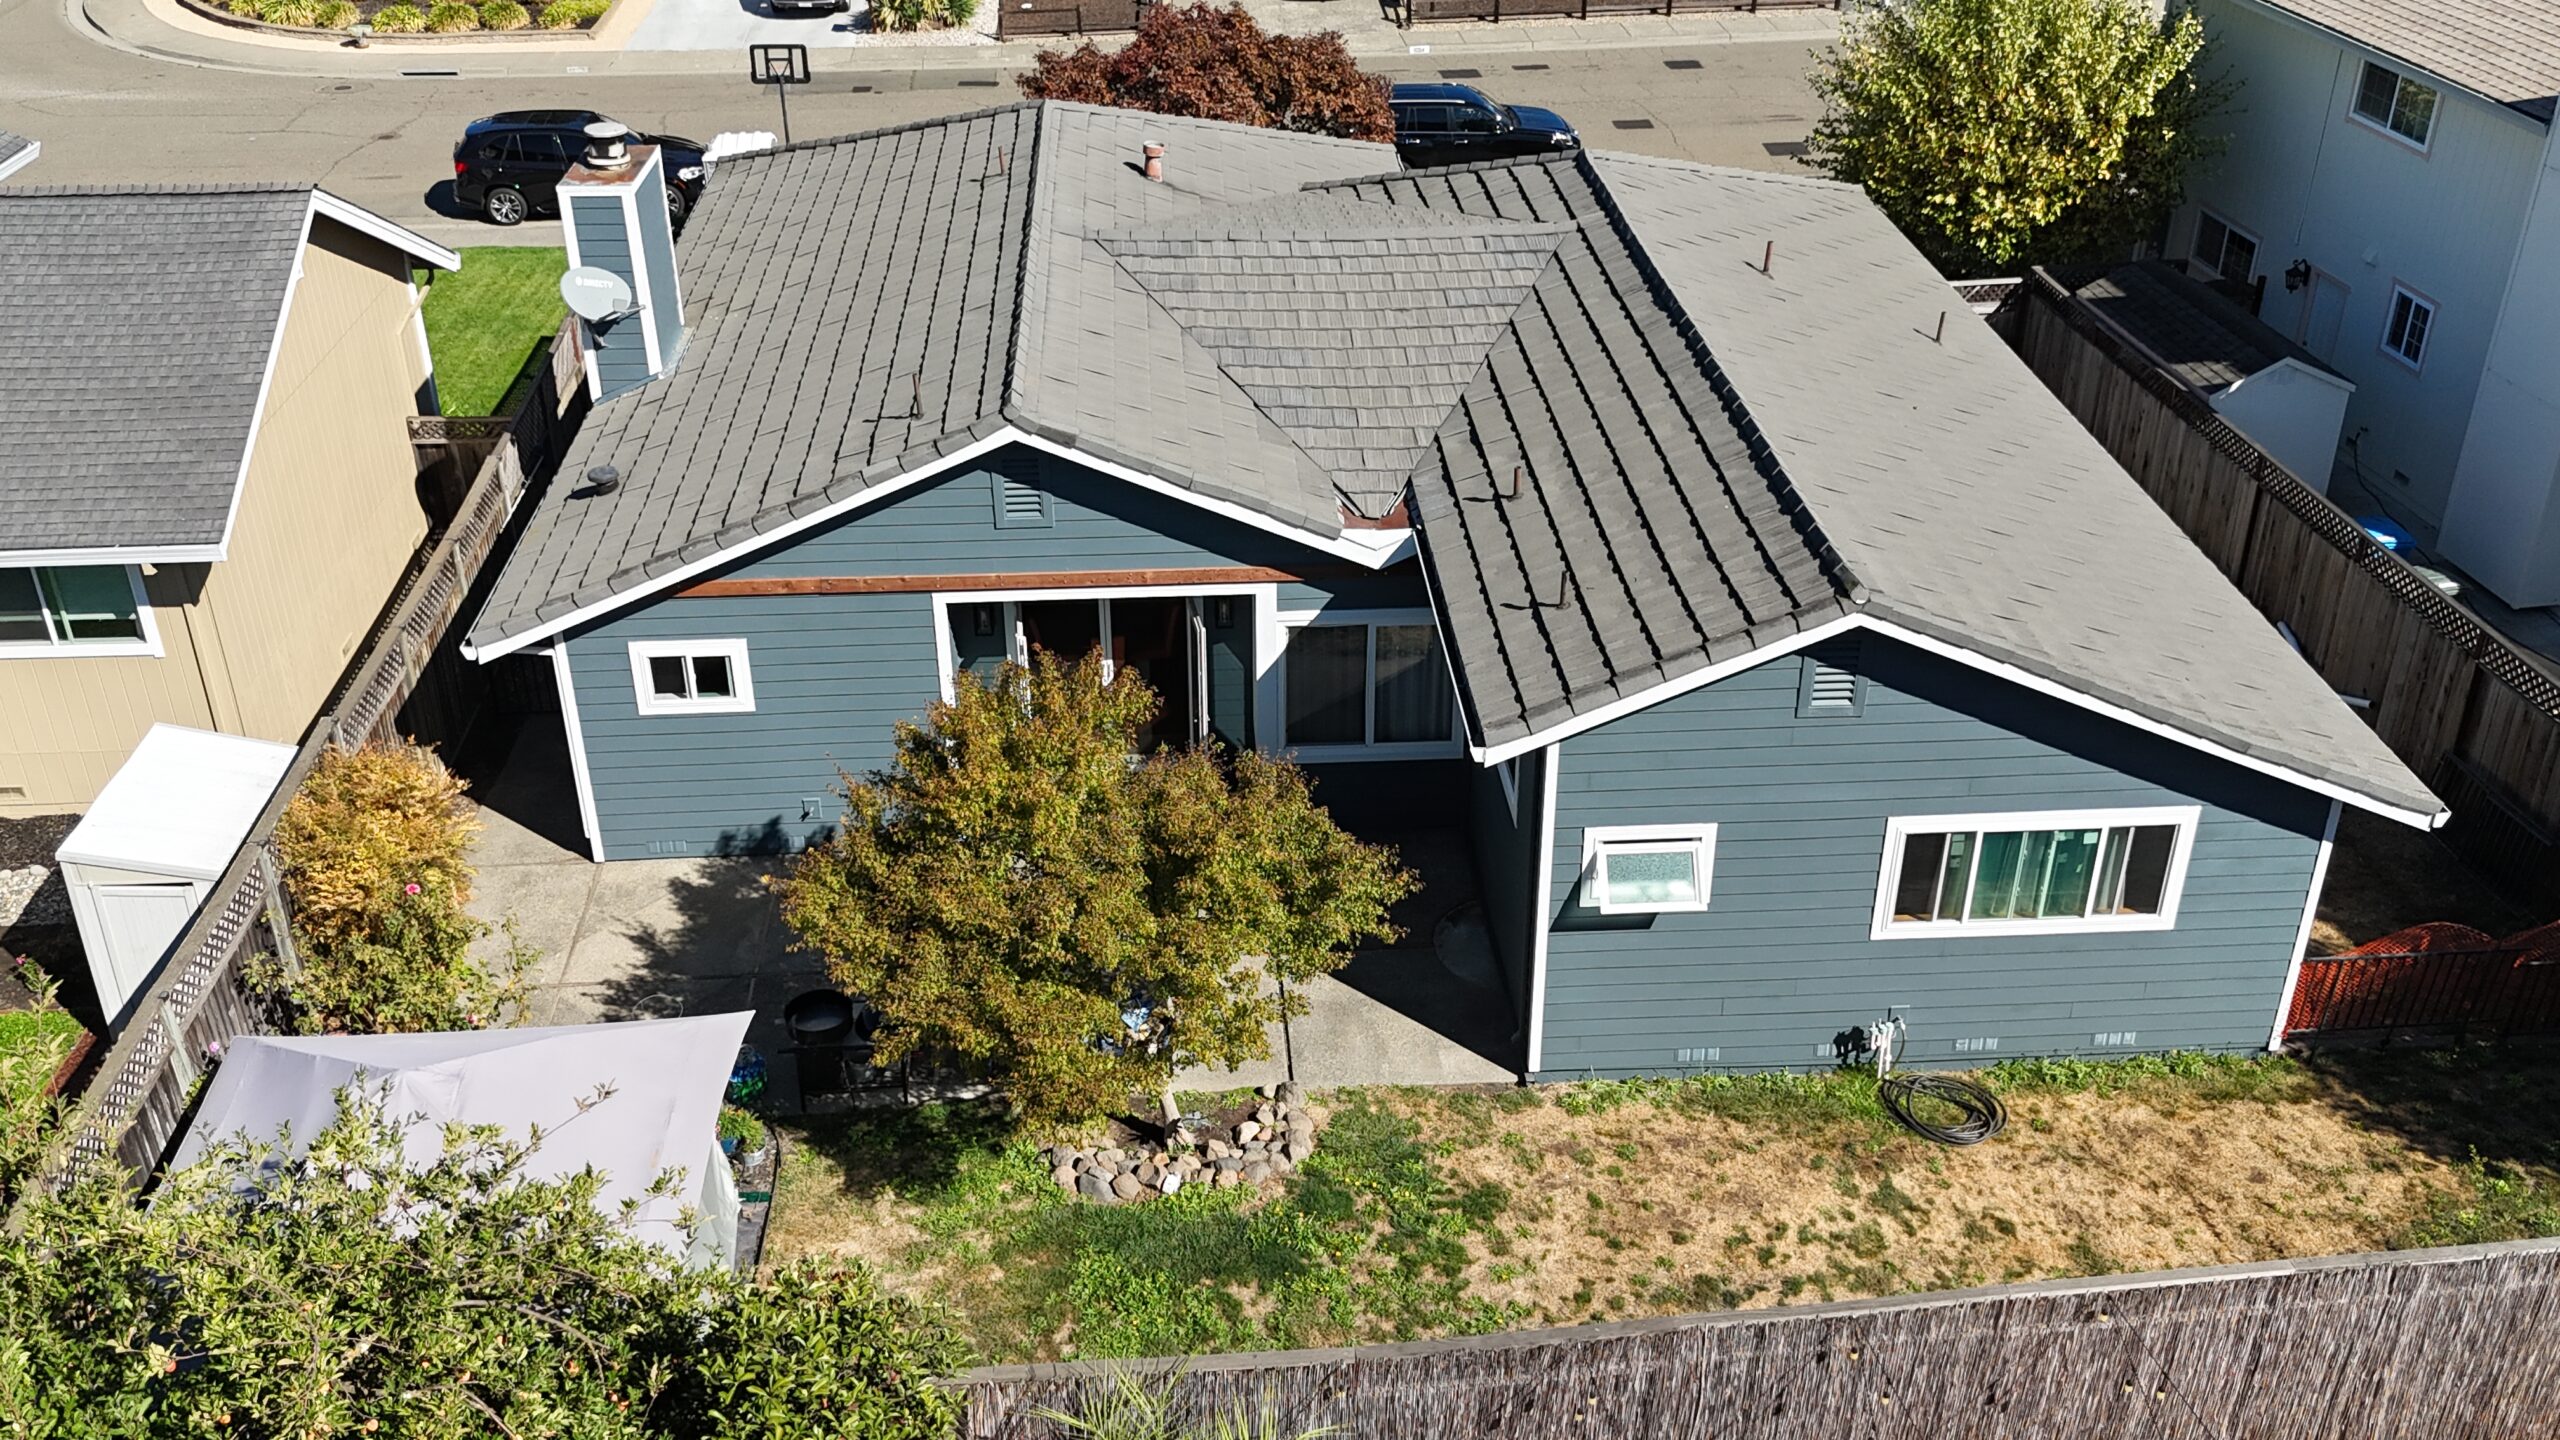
646,939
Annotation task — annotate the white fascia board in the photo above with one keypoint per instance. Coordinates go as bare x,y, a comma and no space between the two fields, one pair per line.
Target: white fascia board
2302,936
1496,754
25,157
267,374
1009,435
1543,919
356,217
114,555
1336,545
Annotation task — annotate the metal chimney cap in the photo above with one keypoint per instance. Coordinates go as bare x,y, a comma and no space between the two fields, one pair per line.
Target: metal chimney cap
603,480
608,145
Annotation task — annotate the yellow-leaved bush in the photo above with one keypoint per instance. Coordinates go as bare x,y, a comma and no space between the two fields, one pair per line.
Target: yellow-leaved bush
364,825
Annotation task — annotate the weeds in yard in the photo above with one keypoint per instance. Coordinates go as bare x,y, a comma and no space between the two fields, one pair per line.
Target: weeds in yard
2490,1201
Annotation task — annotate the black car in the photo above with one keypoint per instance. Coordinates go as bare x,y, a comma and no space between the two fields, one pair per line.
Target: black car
1453,124
808,7
509,165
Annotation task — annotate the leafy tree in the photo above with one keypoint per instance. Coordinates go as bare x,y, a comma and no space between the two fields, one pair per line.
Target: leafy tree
1015,889
351,1292
1213,64
1992,130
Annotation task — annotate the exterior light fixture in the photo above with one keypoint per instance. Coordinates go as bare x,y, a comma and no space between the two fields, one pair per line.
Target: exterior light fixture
2297,275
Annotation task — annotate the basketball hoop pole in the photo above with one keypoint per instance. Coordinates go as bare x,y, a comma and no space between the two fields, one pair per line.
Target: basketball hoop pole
781,66
782,93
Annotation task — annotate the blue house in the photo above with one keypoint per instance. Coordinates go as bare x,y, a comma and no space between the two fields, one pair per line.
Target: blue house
1789,655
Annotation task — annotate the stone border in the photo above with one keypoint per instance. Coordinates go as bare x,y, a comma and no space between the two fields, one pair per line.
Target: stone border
345,41
1274,1138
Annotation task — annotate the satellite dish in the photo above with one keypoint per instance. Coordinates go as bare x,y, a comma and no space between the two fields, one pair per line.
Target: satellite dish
596,295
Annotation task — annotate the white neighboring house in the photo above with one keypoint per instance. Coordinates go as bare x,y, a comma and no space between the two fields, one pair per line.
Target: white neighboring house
2390,187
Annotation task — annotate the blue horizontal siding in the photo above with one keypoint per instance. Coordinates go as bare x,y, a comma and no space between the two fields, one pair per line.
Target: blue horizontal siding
1781,961
834,674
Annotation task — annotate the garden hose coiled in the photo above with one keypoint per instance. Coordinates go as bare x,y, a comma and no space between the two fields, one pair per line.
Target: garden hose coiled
1981,1113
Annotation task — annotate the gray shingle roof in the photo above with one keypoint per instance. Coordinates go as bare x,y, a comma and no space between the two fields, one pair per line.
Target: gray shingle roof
1645,539
1969,502
2508,50
2196,333
135,325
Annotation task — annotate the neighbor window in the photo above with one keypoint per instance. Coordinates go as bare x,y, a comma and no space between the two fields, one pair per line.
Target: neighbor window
1369,682
2082,870
1647,869
2228,253
692,677
2397,103
67,609
2412,317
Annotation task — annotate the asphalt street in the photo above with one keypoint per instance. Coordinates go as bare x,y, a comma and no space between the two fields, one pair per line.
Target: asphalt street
108,115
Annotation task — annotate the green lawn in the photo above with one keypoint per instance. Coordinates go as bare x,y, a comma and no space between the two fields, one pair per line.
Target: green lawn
27,1030
1442,1212
485,319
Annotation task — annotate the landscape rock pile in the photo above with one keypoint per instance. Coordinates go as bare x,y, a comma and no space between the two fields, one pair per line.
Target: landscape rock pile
1275,1136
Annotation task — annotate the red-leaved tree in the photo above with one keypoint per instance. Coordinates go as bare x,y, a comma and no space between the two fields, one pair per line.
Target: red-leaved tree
1213,64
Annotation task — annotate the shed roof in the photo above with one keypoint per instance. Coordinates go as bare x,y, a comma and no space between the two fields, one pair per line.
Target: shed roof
2196,333
2507,50
180,804
137,325
666,1078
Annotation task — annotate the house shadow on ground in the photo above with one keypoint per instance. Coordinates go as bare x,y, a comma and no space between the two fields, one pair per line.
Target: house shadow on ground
2457,1102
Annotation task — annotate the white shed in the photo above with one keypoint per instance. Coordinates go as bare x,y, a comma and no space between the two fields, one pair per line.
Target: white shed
144,858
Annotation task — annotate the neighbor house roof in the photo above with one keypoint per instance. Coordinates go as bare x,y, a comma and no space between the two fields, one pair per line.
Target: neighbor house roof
2198,336
2507,50
1633,454
137,328
16,153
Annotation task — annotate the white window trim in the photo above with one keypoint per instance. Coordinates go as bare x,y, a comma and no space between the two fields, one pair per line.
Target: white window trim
2173,887
1265,596
1508,772
148,646
1698,839
2204,213
2355,92
652,703
1452,748
2383,341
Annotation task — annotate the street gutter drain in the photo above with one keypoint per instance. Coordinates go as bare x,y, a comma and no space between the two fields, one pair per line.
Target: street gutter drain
1684,64
1632,124
1461,74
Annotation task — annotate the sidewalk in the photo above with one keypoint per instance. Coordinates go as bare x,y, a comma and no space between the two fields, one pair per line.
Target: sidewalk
166,30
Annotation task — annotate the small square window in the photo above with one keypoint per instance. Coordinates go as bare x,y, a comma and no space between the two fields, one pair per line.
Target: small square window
1647,869
691,677
2405,336
2223,250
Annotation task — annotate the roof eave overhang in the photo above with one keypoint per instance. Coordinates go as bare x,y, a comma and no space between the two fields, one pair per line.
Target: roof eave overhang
115,555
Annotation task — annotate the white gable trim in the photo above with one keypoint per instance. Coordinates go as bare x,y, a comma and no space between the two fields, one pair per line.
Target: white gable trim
1543,919
25,156
1495,754
1370,556
114,555
356,217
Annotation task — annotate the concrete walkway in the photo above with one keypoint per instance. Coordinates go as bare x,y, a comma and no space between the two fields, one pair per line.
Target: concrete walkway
646,939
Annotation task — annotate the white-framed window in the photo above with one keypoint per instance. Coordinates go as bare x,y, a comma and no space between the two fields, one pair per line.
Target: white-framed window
2395,104
2036,872
2224,250
1366,685
692,677
2405,331
1647,869
75,610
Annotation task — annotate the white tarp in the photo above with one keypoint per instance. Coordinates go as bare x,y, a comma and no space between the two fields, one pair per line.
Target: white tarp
667,1078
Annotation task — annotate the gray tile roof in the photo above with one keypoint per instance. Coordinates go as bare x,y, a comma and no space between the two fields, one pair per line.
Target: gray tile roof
1961,493
2196,333
1645,538
2508,50
135,325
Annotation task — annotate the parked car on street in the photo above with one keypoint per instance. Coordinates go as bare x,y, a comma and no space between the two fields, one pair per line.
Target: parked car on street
508,165
1453,124
808,7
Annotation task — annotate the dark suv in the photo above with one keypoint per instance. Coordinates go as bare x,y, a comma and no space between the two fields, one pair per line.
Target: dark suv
509,165
1453,124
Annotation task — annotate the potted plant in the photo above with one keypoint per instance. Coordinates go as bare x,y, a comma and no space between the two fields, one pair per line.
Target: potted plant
740,1131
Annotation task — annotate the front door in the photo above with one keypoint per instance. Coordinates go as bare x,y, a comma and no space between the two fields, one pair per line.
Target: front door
2322,311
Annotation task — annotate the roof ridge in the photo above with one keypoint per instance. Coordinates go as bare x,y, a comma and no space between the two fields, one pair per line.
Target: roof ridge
1726,172
1791,497
1036,206
829,142
218,187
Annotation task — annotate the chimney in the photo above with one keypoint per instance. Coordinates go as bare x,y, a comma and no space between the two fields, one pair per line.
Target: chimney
613,211
1155,160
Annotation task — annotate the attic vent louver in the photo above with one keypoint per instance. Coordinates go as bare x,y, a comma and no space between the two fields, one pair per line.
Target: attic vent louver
1020,505
1831,685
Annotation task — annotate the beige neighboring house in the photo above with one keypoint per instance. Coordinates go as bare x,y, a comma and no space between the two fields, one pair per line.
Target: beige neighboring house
207,492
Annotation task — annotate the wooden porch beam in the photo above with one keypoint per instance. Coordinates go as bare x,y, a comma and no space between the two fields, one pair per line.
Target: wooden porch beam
1015,580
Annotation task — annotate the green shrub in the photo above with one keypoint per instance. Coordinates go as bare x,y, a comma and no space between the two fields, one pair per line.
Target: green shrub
452,17
956,13
246,9
403,19
570,14
504,15
305,13
366,823
901,14
337,14
742,1127
413,971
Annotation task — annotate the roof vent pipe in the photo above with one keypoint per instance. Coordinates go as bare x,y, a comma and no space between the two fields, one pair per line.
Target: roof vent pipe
1155,160
608,145
603,480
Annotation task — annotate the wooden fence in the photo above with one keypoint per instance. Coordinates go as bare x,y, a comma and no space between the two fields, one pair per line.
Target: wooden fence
136,1106
1022,19
2477,716
2450,1343
1415,12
